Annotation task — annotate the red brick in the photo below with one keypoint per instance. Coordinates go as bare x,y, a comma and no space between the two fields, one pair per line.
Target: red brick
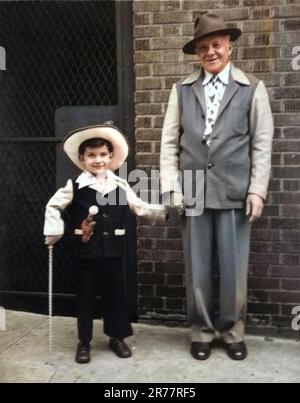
280,296
150,303
291,285
175,303
265,50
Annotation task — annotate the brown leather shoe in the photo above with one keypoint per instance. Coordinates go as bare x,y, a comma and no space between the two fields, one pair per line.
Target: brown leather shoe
200,351
237,351
83,353
120,348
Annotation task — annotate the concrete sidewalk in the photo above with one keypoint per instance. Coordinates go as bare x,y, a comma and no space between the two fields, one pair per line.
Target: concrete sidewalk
160,354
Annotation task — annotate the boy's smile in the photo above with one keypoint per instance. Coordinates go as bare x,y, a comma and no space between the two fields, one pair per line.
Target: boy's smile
96,160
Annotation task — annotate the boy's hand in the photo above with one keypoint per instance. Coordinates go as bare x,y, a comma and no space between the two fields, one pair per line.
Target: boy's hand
52,239
87,227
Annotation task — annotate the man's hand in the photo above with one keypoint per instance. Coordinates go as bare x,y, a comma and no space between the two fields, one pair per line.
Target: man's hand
174,203
255,206
172,199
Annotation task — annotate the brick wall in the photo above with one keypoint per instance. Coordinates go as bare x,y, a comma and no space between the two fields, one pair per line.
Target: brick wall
271,31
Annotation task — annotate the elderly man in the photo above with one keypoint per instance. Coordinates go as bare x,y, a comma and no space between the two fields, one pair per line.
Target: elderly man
218,128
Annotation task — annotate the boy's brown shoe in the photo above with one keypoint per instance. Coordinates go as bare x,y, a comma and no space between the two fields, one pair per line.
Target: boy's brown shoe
120,348
83,353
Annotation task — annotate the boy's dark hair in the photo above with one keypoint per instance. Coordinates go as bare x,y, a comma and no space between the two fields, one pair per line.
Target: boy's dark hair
95,143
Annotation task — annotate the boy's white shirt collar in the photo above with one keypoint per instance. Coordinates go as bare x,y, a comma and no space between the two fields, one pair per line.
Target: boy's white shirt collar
86,179
223,75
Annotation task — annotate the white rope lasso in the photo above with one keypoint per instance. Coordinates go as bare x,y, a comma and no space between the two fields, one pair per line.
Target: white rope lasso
50,297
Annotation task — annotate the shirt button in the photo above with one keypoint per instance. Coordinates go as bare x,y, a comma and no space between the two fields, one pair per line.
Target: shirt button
210,165
104,215
105,233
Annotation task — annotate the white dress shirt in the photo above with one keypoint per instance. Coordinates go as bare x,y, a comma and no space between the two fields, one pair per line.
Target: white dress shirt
223,77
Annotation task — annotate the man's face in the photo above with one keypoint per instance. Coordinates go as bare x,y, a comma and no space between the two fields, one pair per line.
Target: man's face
214,52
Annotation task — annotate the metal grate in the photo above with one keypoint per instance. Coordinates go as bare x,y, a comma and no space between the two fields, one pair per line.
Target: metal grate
58,53
25,182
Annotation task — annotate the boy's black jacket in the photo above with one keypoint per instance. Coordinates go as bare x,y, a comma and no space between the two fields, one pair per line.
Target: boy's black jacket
113,210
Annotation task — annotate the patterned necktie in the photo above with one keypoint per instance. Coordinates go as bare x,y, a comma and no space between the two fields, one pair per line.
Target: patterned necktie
213,104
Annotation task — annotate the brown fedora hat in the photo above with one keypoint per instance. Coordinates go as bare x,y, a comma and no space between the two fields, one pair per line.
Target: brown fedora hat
210,24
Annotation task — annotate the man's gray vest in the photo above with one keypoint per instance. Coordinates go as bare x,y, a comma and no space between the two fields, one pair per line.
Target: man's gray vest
227,162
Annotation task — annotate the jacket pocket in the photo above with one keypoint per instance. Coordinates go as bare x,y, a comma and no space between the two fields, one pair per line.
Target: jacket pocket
237,180
120,232
240,121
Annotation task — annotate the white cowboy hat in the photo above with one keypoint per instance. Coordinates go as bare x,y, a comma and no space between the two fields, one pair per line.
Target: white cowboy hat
107,132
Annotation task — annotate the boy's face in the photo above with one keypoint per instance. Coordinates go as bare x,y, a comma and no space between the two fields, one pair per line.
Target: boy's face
96,160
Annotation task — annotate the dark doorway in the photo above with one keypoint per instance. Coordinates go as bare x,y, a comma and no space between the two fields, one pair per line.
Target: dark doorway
67,64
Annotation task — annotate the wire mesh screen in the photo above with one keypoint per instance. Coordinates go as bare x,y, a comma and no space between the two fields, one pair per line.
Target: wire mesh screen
58,53
25,180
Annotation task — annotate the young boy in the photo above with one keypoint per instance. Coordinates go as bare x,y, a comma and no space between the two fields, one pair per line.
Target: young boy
98,201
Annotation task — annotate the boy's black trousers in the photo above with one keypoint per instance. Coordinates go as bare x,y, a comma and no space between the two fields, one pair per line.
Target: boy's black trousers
102,277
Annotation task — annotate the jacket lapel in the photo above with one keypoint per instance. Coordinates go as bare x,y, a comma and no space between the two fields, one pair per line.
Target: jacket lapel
200,94
230,91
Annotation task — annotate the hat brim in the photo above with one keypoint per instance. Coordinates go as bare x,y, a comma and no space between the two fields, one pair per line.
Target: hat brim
110,133
190,47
